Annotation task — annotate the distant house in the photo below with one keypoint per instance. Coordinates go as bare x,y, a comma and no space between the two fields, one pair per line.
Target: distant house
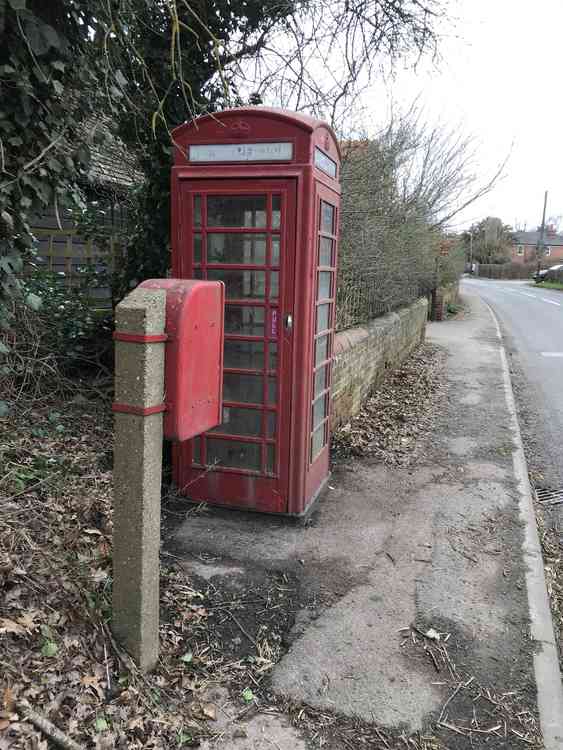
525,245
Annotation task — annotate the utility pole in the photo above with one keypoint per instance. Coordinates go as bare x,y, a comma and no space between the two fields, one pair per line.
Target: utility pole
541,242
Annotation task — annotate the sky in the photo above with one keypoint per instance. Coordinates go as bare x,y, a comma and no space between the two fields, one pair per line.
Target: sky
500,81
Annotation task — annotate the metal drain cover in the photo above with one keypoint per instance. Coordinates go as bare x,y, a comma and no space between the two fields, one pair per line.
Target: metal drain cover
549,497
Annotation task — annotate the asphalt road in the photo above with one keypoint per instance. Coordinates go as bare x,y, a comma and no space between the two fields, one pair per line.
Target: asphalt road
531,320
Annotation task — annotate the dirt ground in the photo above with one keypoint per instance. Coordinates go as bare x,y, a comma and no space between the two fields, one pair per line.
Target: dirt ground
58,655
222,632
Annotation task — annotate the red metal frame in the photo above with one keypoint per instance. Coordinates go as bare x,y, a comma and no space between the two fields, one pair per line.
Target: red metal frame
302,185
319,461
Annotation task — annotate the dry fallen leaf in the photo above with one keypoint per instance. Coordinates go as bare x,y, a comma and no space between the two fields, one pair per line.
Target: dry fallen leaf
27,620
98,575
88,680
9,626
8,700
93,682
209,710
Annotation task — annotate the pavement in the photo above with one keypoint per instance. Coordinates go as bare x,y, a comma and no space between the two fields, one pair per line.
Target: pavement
448,543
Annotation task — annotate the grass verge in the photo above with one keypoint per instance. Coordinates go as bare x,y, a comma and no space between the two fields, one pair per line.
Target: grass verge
552,285
557,285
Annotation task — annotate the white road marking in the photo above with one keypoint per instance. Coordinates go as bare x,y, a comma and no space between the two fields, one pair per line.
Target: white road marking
551,354
526,294
551,302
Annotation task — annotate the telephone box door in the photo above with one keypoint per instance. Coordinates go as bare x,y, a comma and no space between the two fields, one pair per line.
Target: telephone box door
243,233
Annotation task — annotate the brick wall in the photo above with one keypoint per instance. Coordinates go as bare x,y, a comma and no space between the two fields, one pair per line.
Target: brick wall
528,254
442,297
363,355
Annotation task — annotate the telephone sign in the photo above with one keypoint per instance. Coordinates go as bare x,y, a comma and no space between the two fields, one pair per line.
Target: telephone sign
255,204
225,152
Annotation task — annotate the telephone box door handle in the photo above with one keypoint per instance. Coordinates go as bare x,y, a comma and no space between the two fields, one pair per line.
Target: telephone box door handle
288,322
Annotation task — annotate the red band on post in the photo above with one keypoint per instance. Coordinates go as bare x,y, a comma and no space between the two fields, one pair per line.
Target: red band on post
140,338
140,411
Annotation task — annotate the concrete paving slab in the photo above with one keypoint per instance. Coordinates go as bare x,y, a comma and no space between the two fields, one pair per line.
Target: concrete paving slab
259,731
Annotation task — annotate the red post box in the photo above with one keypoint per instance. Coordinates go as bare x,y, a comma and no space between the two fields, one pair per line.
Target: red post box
193,365
255,204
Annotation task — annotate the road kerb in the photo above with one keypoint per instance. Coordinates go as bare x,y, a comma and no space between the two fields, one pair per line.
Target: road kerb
546,660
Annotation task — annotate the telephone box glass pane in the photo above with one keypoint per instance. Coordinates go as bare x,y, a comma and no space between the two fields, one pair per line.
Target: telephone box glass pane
273,360
327,218
236,210
274,285
197,248
272,391
246,321
276,211
270,459
323,317
319,411
236,248
325,252
197,210
240,284
321,350
234,453
246,389
323,291
320,381
275,251
244,355
317,441
238,421
270,424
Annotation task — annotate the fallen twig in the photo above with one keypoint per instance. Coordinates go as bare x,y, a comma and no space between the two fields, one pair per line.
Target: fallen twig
48,728
241,628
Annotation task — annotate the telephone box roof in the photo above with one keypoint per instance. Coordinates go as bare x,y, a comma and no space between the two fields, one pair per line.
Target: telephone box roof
305,122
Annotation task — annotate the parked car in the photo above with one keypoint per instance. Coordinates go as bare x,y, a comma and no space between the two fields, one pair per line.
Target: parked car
547,273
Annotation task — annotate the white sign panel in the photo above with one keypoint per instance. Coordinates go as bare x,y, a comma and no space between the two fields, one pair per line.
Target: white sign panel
324,162
241,152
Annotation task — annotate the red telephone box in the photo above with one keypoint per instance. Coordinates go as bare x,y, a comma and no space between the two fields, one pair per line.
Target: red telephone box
255,204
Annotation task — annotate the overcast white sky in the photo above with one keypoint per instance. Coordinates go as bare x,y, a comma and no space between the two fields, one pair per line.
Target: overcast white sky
500,79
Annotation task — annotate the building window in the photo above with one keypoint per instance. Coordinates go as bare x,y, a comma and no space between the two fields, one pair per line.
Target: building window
547,252
520,250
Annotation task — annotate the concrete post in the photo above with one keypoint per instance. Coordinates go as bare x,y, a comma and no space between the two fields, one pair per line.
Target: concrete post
139,388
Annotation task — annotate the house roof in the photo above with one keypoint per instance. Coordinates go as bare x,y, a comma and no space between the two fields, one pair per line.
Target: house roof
112,165
533,238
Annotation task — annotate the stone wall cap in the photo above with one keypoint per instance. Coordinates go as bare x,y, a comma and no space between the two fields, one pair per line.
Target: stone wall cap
142,298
